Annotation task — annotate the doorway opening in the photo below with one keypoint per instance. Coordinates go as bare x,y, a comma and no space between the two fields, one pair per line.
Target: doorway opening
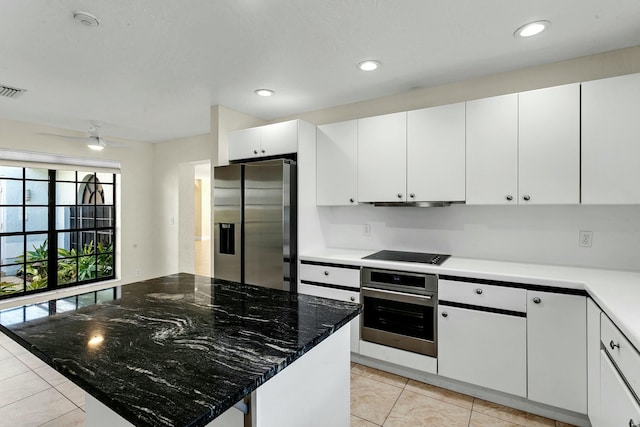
202,218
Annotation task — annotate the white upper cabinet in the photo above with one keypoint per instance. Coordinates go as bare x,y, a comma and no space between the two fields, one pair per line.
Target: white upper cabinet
611,140
549,145
382,158
436,153
337,164
492,150
244,143
279,138
262,141
525,148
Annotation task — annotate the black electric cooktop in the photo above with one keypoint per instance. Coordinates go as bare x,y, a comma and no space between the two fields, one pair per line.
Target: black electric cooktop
433,259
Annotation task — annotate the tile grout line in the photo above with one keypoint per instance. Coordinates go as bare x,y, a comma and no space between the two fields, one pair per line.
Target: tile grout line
60,416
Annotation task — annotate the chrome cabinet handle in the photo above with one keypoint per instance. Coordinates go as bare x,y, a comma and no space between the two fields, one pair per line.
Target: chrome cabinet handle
445,314
399,195
353,298
526,197
351,200
263,151
412,195
479,291
536,300
255,151
509,197
326,273
612,345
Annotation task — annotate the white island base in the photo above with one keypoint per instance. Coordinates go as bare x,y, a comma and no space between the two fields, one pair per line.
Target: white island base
313,391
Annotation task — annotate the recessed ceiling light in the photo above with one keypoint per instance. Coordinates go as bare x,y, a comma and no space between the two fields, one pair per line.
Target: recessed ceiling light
368,65
263,92
532,28
86,18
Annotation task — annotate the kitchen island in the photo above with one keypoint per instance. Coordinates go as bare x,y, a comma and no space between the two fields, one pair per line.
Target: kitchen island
182,350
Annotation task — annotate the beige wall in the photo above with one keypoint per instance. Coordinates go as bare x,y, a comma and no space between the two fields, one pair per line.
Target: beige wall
174,191
173,219
135,244
608,64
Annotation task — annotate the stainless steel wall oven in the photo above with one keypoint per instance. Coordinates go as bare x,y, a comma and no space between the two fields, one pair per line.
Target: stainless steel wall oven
400,310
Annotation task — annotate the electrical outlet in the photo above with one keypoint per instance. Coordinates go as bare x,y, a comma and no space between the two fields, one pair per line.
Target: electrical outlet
366,230
586,239
137,272
172,220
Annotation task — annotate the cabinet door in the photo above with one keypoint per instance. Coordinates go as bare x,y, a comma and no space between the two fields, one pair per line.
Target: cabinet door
382,158
618,406
279,138
492,150
610,135
549,145
483,348
244,143
556,353
435,153
337,164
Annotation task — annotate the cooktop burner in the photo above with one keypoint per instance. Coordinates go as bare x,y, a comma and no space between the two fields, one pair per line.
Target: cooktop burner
434,259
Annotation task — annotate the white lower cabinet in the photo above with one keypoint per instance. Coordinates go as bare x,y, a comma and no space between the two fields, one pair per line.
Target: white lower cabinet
334,282
618,406
593,364
556,350
483,348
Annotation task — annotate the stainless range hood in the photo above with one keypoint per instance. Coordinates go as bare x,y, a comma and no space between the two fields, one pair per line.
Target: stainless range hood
413,204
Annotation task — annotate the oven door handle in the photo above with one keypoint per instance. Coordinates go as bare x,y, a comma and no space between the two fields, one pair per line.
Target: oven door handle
426,300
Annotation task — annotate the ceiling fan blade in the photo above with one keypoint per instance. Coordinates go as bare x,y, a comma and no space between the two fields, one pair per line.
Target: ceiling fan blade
74,138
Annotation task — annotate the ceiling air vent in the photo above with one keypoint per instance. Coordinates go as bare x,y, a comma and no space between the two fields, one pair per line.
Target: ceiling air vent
11,92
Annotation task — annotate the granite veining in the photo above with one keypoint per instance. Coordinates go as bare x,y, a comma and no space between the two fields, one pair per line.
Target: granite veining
179,350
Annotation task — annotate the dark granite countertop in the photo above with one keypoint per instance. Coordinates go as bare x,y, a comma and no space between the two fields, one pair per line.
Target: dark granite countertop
180,350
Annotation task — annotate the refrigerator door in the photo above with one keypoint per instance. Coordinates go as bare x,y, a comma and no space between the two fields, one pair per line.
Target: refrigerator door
227,205
268,205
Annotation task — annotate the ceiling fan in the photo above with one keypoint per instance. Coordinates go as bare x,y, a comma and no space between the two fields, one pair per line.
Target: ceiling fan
94,141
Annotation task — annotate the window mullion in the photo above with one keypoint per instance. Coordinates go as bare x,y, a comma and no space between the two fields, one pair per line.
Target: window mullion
52,235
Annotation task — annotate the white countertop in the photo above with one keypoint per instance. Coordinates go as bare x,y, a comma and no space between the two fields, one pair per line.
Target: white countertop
616,292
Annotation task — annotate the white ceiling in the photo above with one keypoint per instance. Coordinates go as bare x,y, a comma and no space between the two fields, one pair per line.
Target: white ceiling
152,68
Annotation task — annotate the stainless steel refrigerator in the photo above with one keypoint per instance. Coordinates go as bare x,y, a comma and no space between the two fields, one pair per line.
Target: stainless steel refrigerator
255,223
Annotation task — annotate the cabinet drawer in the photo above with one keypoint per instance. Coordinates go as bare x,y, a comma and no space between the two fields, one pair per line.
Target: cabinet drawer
622,352
482,295
617,405
337,294
332,275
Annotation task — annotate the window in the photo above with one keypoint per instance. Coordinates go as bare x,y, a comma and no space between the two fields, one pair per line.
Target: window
57,228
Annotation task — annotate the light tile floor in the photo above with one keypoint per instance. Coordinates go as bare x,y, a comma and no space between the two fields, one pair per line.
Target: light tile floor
379,398
33,394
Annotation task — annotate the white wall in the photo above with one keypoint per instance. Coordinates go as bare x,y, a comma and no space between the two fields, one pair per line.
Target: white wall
534,234
135,244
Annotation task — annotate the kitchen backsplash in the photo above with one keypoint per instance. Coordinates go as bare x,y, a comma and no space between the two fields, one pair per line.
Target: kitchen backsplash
533,234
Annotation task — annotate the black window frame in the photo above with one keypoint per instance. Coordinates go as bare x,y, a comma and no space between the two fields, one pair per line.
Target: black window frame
53,260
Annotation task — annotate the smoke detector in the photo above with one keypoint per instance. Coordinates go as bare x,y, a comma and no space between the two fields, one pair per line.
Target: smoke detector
86,18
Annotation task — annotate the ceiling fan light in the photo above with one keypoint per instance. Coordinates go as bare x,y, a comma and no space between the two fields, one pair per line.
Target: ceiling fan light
96,146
